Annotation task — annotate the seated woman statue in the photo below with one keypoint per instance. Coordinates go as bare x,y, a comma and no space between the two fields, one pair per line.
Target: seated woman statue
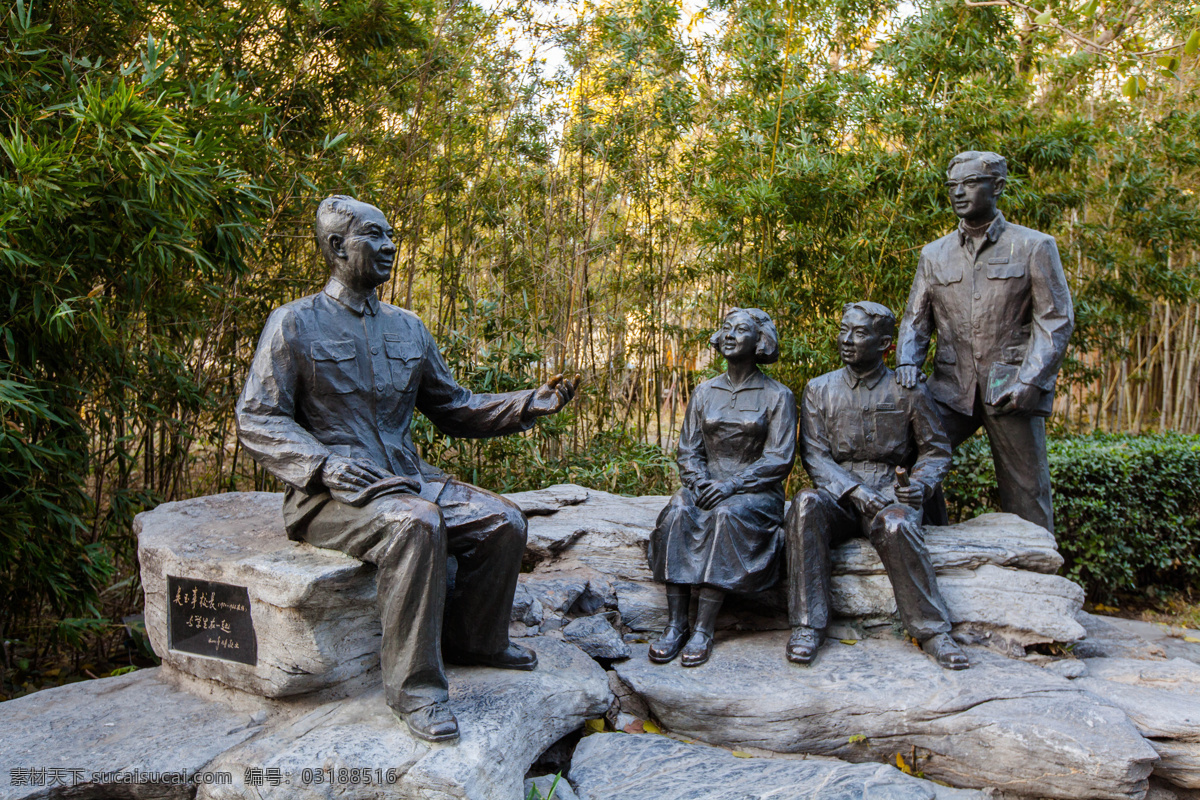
722,532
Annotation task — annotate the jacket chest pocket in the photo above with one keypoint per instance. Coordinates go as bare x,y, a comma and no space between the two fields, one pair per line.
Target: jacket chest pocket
335,369
945,274
404,358
891,430
1004,268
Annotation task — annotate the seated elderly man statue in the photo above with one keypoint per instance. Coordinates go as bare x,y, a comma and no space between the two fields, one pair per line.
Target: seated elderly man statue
875,451
327,408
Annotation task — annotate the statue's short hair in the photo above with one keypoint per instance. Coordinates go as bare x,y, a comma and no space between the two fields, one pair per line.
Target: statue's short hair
335,215
993,163
767,350
882,318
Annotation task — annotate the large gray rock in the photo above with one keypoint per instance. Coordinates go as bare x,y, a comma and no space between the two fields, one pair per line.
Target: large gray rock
1003,540
1001,723
996,572
572,526
595,636
507,719
1162,698
313,610
608,766
114,738
1113,637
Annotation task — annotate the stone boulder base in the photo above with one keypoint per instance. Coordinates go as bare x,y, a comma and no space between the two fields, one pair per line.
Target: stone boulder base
614,765
507,719
143,722
996,573
133,723
317,627
1162,698
314,611
1001,723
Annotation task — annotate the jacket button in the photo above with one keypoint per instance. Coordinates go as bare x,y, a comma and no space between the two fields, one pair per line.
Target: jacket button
978,295
375,350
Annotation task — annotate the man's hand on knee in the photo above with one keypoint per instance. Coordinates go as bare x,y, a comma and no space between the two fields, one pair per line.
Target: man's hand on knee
867,501
353,474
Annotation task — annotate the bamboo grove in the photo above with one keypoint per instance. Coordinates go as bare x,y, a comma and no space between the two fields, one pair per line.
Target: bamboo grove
579,188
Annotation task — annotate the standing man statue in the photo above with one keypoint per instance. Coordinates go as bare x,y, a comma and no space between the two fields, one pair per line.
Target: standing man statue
997,297
875,452
327,409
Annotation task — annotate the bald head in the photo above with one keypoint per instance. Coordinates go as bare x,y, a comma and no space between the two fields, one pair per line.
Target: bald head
356,241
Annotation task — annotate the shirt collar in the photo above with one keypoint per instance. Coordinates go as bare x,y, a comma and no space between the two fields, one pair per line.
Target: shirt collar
993,230
755,381
871,379
351,300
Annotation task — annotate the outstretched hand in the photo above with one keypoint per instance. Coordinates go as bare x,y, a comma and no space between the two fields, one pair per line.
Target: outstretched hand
550,398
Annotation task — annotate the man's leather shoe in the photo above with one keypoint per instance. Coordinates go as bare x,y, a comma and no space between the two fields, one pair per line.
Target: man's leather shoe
803,645
698,649
668,645
512,657
946,652
432,723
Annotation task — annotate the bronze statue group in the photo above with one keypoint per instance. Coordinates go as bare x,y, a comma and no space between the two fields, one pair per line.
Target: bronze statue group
328,405
876,443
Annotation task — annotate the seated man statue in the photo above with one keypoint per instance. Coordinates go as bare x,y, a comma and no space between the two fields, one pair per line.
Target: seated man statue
875,451
327,408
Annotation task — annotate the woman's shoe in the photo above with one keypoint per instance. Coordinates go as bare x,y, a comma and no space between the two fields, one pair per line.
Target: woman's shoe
698,649
668,645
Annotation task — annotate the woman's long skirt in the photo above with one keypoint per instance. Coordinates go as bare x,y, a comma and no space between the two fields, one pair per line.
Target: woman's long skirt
735,546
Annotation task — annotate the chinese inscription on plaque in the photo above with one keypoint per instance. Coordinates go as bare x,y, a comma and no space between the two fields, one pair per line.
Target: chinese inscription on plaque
211,619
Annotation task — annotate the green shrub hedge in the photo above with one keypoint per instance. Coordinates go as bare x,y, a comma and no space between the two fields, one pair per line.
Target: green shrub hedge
1126,508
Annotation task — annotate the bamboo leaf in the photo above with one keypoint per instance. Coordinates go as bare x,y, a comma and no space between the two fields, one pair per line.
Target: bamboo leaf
1192,45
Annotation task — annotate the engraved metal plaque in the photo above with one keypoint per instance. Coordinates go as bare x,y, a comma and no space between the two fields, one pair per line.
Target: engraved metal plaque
211,619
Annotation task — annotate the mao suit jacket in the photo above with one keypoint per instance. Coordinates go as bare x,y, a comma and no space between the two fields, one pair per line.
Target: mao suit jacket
1006,303
335,376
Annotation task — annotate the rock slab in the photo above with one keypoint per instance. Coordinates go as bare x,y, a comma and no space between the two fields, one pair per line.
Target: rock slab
315,619
607,766
1002,723
357,748
132,736
1162,698
996,571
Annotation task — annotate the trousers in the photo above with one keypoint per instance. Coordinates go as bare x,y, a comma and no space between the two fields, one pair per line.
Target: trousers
408,540
1018,444
816,521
